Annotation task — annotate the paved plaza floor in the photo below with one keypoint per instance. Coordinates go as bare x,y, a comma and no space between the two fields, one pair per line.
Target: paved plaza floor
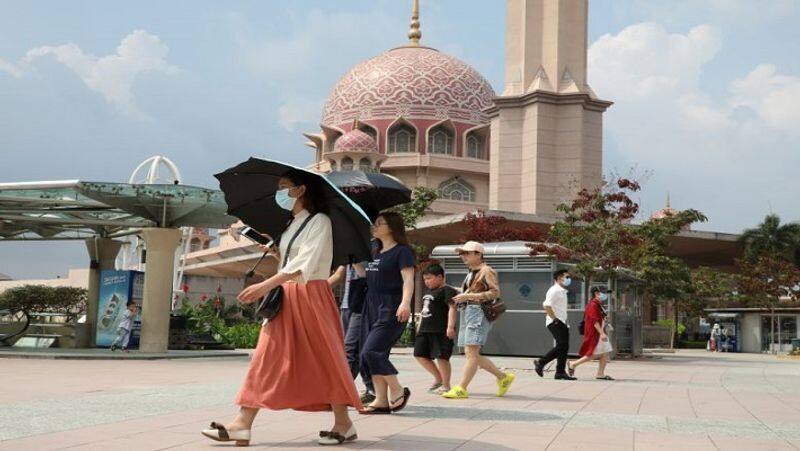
691,400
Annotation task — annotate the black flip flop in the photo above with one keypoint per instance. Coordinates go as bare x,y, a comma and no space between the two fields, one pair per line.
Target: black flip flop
605,378
406,395
375,411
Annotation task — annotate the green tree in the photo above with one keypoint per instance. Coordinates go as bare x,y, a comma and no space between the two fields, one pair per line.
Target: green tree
772,238
421,200
69,301
665,278
595,230
766,280
714,288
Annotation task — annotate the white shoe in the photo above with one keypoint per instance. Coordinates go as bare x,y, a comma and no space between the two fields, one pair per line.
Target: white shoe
217,432
332,438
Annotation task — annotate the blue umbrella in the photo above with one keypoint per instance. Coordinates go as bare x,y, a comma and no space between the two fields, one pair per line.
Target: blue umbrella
250,189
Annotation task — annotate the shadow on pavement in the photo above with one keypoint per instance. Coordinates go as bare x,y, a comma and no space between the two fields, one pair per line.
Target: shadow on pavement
476,413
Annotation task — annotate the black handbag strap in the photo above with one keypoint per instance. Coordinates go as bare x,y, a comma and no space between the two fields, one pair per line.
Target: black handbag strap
289,247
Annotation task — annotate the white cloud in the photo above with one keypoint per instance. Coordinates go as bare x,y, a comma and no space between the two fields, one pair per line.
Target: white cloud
735,143
298,111
774,97
12,69
113,75
302,66
644,60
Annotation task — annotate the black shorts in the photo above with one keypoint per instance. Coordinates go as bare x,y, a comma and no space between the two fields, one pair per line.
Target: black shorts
433,346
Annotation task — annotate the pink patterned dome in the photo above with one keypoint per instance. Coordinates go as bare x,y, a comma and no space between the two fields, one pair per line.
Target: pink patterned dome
664,213
355,141
411,81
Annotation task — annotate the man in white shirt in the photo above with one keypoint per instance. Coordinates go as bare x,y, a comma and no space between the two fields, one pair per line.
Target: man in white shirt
555,305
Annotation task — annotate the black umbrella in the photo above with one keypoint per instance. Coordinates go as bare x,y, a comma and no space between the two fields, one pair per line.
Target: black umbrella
250,193
372,191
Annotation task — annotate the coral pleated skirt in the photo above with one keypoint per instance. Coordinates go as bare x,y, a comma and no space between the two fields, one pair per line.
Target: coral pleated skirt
300,361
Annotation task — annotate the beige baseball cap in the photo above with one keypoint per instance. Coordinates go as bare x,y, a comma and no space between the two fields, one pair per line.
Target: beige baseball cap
471,246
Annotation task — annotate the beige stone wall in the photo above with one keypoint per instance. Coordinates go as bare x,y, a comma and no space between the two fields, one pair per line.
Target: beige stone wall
544,153
433,176
548,36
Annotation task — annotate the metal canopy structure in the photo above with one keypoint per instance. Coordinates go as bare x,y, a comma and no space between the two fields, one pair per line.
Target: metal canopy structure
76,210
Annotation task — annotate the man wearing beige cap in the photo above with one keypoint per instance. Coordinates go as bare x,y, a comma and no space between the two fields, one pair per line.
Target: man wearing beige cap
480,286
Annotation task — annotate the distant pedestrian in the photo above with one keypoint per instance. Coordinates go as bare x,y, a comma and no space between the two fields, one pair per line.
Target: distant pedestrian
716,337
595,340
125,327
555,305
437,328
480,286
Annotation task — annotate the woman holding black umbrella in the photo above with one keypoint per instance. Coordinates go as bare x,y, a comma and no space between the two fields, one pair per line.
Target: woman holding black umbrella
299,362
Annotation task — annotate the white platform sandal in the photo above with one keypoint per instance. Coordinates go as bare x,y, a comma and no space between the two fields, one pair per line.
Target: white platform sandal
217,432
329,438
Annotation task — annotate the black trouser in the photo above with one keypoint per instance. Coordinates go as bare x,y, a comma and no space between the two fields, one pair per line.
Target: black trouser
560,332
351,323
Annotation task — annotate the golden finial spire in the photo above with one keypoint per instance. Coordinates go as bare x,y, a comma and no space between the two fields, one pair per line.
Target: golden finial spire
356,123
414,34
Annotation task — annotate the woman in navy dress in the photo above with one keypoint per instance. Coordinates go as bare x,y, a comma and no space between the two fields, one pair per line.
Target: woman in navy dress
390,289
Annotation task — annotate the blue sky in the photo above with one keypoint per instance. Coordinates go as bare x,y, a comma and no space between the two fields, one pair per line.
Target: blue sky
707,94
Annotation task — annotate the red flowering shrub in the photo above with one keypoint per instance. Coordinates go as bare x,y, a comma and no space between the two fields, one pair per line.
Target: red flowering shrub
492,229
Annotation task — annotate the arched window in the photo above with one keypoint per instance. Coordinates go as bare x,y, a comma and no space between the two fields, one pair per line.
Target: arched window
475,148
365,165
347,164
333,164
402,139
440,141
457,189
195,245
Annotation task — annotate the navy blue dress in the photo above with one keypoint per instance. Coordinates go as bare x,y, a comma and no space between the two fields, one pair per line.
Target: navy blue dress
380,327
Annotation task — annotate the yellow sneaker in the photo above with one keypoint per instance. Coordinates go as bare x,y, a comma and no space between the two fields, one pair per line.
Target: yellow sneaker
456,393
504,383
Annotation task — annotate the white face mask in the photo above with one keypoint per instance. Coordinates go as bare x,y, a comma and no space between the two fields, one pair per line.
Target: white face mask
284,200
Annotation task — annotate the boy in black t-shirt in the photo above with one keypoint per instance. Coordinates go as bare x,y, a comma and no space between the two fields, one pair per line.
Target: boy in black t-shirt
437,328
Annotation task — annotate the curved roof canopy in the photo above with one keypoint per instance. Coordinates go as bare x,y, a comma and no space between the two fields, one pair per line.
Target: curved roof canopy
74,209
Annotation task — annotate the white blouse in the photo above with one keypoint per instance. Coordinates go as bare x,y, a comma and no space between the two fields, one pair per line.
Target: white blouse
312,251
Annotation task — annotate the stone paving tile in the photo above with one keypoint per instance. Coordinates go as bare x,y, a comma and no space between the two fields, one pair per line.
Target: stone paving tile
458,431
667,401
595,436
726,443
645,441
584,446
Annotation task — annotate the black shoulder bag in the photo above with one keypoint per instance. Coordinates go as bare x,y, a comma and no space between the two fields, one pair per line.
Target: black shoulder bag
270,305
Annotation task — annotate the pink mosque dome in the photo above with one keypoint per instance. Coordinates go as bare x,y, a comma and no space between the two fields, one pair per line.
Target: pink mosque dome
665,212
355,141
408,100
410,81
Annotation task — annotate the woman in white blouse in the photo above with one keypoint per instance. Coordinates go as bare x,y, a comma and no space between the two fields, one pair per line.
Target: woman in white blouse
300,361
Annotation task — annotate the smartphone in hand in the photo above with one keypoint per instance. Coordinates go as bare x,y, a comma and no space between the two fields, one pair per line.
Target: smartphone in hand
254,236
